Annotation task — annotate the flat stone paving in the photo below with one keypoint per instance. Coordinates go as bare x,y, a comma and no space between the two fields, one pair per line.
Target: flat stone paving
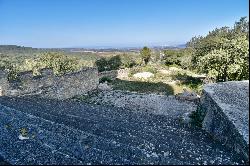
70,132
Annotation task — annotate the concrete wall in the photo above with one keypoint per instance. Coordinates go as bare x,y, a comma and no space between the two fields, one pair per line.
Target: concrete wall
51,86
227,114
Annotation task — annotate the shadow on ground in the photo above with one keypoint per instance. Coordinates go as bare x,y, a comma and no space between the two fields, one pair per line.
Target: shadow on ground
143,87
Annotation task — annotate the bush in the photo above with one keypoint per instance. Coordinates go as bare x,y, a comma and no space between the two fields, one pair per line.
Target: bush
145,54
128,61
12,72
191,82
149,68
112,63
115,62
186,62
197,117
223,54
105,79
59,63
101,64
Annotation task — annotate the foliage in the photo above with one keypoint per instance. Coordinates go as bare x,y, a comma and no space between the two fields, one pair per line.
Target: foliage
156,56
224,53
171,57
138,69
12,72
106,64
145,54
115,62
186,62
179,57
197,117
129,60
104,79
189,81
60,63
143,87
101,64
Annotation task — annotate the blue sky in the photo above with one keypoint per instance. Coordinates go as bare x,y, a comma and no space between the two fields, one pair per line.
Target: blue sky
86,23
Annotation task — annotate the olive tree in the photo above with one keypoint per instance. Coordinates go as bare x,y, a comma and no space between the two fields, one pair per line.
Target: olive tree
145,54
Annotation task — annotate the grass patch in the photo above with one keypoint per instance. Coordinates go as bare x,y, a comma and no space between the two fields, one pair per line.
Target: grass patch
105,79
143,87
186,80
197,117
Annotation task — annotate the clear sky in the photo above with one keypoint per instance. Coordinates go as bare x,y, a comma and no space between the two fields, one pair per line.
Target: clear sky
81,23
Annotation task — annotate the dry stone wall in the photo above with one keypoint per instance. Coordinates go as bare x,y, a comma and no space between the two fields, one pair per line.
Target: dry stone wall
49,85
113,74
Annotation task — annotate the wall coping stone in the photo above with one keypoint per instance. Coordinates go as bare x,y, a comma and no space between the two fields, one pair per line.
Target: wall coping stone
227,111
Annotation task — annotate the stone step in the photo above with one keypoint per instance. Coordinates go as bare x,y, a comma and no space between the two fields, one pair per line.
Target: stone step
93,121
123,127
83,110
178,144
73,142
29,151
151,125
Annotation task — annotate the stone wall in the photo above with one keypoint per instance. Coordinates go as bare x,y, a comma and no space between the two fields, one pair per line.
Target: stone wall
49,85
113,74
227,114
110,74
4,84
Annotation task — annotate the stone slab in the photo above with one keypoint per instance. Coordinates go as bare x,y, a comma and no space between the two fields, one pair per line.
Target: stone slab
227,114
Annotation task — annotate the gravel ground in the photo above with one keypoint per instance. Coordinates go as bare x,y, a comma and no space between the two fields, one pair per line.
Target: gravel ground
72,132
2,162
150,103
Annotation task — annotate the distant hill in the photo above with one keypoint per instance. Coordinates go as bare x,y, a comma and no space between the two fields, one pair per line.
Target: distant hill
22,49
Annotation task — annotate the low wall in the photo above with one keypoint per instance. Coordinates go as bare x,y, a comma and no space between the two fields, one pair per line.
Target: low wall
227,114
49,85
110,74
113,74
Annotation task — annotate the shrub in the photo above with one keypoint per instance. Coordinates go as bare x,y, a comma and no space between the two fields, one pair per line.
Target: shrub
101,64
115,62
197,117
223,54
112,63
145,54
128,61
104,79
186,62
59,63
191,82
149,68
12,72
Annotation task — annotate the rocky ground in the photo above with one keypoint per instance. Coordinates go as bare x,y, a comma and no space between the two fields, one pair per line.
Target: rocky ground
73,132
145,103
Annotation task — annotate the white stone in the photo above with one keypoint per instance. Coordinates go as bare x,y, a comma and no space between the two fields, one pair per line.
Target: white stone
1,91
22,137
104,86
144,75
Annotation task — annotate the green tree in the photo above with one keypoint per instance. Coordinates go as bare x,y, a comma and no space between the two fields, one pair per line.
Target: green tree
145,54
60,63
112,63
230,63
224,53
